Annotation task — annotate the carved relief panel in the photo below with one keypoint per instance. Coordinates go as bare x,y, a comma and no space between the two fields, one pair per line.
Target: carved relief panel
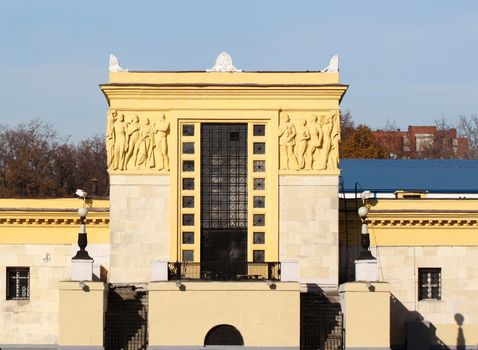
137,141
309,142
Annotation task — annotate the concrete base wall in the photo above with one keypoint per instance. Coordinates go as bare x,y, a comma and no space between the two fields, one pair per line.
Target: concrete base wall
139,226
182,316
308,227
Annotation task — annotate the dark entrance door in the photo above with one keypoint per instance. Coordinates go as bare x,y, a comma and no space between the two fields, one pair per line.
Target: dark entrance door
223,200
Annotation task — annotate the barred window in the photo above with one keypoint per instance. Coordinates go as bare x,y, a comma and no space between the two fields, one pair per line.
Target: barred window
429,283
18,283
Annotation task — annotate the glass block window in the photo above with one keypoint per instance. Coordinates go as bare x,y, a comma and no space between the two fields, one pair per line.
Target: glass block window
259,238
259,130
18,283
188,165
188,255
188,147
188,237
429,283
258,256
223,176
259,148
259,184
259,202
188,184
188,130
259,220
188,219
259,166
188,202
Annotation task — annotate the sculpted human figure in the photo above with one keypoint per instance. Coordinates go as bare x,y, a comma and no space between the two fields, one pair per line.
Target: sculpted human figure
161,131
302,139
316,137
287,158
146,146
119,130
333,160
132,131
327,126
110,137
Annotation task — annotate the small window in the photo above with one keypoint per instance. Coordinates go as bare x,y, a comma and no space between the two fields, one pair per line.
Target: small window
188,130
188,255
259,147
259,166
259,220
429,284
188,184
188,237
188,165
188,147
259,238
259,130
258,256
188,219
259,202
188,202
259,184
18,283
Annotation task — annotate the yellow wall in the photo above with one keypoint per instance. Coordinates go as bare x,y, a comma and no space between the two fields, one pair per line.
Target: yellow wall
423,222
195,97
263,316
366,315
51,221
81,314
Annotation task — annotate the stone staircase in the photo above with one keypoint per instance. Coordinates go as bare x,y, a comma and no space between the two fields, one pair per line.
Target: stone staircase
321,321
126,318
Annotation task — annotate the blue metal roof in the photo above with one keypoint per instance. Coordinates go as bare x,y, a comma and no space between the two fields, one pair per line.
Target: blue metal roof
446,176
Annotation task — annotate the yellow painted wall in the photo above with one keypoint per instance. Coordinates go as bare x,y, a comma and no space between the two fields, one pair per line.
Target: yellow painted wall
263,316
423,222
51,221
81,314
366,314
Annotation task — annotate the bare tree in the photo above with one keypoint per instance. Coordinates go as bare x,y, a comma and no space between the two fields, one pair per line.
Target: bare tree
468,127
36,162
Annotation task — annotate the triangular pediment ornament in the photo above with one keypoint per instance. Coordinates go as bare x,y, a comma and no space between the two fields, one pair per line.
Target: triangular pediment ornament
224,64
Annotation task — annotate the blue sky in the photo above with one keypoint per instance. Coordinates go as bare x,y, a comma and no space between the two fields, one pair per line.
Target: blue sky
408,61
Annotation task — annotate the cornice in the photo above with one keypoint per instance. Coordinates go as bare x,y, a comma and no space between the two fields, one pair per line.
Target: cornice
423,218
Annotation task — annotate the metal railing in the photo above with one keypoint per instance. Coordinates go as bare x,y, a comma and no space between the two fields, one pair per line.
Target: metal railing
224,271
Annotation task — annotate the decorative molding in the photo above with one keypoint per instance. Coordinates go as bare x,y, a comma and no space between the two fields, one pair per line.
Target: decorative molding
224,64
114,66
52,221
423,223
333,66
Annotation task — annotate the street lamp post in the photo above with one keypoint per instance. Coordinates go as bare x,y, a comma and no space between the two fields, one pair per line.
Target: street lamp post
365,254
82,254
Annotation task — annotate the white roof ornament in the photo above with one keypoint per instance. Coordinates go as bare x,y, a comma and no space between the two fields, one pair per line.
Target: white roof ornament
223,64
333,65
114,65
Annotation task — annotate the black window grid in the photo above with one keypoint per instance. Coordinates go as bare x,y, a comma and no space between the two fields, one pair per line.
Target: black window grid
223,175
18,283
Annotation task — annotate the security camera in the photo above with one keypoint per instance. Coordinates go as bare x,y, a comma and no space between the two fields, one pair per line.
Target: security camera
366,195
81,193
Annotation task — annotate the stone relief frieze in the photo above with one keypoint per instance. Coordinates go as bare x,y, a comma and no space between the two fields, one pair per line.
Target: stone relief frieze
133,142
308,144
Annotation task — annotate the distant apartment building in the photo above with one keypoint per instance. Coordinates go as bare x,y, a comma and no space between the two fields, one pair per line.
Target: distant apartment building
423,142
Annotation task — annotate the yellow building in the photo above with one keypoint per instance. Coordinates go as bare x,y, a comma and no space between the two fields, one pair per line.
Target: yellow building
223,219
223,229
423,220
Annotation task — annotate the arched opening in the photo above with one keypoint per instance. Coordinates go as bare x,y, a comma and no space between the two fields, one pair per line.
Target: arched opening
223,335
